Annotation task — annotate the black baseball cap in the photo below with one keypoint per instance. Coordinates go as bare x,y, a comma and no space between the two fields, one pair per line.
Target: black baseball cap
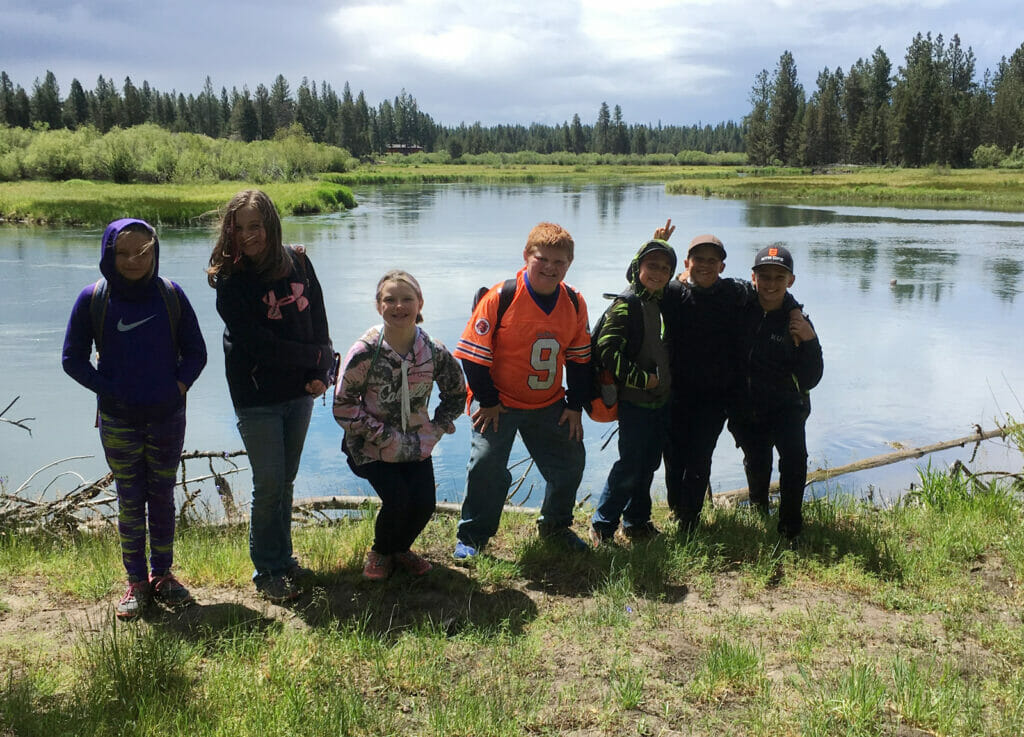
774,255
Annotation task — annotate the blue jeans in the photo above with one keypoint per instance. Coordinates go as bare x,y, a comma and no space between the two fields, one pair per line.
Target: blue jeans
273,436
559,459
627,493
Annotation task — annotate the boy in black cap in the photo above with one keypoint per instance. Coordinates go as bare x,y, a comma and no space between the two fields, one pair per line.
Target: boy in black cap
631,345
782,363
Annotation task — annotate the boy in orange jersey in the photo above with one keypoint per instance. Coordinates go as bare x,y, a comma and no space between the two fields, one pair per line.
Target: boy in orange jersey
513,353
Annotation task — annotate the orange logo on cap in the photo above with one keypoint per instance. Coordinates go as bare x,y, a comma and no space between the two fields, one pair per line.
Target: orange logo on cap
773,251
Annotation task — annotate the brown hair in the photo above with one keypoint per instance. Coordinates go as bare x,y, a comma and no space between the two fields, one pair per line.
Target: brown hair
400,277
273,263
551,235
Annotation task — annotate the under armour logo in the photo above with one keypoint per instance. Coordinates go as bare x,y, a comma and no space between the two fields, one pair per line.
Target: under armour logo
274,304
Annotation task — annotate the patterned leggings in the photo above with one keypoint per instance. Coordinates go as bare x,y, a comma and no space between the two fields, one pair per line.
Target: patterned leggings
144,459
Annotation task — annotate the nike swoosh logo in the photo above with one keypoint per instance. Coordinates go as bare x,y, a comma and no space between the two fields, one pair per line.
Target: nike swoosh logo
122,328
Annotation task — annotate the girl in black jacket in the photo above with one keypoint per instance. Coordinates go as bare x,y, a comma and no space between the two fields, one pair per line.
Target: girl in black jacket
277,353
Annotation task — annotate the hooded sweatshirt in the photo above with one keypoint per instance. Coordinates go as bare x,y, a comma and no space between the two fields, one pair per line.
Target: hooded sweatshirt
276,337
381,398
617,346
136,377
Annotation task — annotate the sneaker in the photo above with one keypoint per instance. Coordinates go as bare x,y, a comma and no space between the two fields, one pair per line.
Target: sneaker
464,551
412,563
168,589
643,532
564,537
378,567
134,601
298,572
277,589
600,539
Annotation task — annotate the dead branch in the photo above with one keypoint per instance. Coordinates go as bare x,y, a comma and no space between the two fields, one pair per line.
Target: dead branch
17,423
89,499
730,498
341,502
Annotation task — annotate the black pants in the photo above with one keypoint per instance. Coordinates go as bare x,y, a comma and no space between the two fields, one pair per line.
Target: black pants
694,428
782,429
407,497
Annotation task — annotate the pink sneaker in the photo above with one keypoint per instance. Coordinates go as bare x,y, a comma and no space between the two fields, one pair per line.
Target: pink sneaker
378,567
413,563
168,589
133,601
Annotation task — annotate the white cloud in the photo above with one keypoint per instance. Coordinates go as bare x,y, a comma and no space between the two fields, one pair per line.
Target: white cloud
534,60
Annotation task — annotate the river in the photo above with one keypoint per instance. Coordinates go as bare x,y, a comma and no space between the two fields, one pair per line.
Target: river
919,313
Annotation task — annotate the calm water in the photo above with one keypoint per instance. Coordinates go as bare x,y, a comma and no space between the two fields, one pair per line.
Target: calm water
913,362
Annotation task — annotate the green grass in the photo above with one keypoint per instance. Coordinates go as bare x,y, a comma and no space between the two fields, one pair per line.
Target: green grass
892,621
79,202
994,189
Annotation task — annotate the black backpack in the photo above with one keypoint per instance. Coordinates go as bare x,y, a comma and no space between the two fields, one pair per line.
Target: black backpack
507,291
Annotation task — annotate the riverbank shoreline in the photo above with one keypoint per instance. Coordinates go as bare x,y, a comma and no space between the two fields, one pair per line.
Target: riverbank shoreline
80,202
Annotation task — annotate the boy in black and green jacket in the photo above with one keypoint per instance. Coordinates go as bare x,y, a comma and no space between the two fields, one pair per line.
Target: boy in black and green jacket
632,347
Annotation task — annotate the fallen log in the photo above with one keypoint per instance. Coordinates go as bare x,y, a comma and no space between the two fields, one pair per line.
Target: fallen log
344,501
730,498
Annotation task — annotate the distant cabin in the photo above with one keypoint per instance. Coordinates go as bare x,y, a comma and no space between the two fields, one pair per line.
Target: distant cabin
404,148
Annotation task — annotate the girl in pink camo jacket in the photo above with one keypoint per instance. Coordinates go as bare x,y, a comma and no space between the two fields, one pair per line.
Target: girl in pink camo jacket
381,403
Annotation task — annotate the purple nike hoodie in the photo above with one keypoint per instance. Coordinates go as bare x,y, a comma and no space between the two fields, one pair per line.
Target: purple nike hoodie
136,377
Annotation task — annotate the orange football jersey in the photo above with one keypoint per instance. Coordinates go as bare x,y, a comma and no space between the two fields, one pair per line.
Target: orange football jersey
527,354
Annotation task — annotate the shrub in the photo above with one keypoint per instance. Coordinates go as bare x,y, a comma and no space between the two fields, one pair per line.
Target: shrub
53,155
986,156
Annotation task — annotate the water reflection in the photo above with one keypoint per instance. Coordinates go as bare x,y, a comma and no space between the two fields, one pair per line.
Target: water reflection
782,216
1006,276
609,200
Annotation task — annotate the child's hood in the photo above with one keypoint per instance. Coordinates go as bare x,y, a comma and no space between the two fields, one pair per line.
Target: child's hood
633,272
108,253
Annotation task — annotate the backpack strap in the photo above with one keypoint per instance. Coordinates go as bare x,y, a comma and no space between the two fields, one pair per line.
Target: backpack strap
98,311
506,293
635,321
173,304
373,360
298,254
574,297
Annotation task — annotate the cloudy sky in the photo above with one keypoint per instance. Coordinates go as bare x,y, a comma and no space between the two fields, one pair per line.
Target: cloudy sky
677,61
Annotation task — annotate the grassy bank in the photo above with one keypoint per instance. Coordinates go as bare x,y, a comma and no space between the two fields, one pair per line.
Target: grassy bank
80,202
96,203
902,621
511,173
993,189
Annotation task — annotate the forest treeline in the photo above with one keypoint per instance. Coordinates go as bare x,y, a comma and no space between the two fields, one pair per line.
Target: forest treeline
931,110
347,121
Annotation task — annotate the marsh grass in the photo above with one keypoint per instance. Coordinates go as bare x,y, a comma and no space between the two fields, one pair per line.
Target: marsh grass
80,202
995,189
881,621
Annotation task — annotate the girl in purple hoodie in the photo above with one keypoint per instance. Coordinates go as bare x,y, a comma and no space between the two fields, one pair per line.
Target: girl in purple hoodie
150,351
